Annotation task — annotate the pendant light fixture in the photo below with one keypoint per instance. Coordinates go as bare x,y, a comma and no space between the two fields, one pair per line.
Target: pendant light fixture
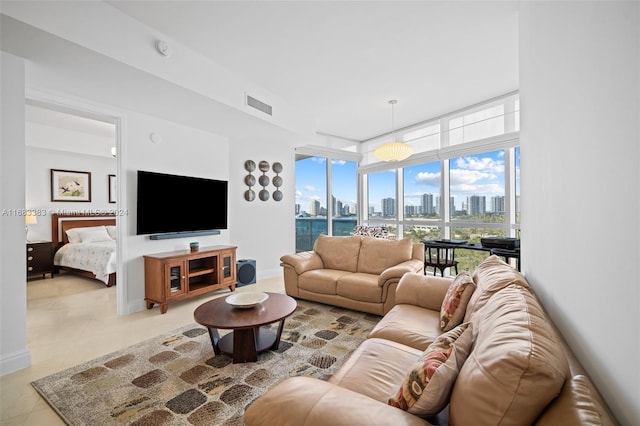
393,151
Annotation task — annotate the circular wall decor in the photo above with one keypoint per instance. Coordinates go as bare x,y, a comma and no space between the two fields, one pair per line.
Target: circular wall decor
277,181
264,195
277,195
277,167
264,180
249,165
249,195
263,166
250,180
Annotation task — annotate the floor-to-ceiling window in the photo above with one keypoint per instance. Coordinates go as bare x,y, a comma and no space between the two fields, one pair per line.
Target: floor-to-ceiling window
311,201
326,198
461,183
422,201
344,196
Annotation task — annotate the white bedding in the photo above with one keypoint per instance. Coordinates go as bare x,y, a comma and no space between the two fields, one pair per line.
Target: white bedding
96,257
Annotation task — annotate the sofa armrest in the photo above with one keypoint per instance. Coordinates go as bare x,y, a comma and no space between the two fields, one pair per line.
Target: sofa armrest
302,262
422,290
305,401
399,270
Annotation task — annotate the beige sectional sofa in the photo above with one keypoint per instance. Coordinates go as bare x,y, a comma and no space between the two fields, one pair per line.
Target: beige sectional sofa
355,272
506,364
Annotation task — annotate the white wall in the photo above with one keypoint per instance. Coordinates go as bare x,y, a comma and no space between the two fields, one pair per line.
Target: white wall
14,354
182,151
580,138
39,163
263,230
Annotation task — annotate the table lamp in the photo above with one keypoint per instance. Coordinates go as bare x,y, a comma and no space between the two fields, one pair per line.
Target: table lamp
30,219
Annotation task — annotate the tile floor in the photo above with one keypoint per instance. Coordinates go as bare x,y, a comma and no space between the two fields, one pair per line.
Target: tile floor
71,320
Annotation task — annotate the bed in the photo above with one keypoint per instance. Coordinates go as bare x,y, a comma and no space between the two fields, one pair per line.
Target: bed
85,244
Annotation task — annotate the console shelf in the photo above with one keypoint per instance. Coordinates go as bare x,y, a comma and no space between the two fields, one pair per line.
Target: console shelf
177,275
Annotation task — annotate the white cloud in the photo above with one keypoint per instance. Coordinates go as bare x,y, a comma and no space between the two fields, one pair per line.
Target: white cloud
310,188
485,164
466,177
428,178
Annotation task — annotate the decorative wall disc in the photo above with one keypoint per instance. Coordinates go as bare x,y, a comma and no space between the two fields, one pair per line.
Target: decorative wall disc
277,195
264,195
249,180
249,195
263,166
249,165
277,181
277,167
264,180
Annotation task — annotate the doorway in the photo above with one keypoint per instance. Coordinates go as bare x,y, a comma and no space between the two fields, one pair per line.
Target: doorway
61,137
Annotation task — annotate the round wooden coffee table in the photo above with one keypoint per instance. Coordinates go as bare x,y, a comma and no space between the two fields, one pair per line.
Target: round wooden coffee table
248,337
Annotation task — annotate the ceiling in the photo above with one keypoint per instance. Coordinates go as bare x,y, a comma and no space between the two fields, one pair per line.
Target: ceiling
337,61
342,61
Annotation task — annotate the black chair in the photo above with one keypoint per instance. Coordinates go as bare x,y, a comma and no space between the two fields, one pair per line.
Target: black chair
508,255
440,257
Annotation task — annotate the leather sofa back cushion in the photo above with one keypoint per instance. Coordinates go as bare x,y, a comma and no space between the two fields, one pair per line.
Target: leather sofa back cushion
492,275
376,254
517,365
339,253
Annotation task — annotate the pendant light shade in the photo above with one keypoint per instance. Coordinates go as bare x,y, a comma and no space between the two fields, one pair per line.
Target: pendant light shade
393,151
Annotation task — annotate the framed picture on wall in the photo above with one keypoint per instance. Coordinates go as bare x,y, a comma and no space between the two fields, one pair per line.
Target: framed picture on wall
112,188
69,185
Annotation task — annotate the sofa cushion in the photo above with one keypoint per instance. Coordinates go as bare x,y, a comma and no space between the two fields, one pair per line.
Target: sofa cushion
492,275
376,368
322,281
339,253
359,286
376,254
410,325
427,386
455,301
517,366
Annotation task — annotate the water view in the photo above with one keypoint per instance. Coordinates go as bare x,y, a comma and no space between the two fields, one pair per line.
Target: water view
308,229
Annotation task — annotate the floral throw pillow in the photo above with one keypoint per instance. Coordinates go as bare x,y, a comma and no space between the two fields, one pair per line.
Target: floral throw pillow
455,301
427,387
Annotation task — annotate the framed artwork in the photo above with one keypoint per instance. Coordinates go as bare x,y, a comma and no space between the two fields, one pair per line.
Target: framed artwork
68,185
112,188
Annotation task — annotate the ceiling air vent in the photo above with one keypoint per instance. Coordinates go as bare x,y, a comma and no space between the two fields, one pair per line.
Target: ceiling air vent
259,105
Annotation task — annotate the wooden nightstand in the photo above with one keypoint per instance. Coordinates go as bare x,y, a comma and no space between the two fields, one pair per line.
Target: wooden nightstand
40,258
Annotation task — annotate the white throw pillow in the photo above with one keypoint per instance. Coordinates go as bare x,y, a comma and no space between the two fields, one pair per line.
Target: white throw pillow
111,230
88,234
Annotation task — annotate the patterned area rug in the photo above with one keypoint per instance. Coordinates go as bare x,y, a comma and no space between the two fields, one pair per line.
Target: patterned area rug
175,378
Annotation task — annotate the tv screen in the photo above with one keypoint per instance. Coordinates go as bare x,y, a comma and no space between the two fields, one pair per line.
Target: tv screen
169,204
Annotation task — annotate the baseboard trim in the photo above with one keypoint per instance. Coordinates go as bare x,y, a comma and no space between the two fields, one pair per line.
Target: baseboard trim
14,361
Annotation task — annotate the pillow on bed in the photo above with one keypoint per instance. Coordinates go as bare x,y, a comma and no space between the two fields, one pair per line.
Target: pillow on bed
111,230
88,234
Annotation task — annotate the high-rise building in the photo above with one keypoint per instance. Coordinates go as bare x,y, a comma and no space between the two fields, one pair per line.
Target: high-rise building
297,209
427,204
339,211
314,208
388,207
477,204
497,204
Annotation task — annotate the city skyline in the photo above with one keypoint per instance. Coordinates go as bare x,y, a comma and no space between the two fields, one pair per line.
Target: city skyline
473,175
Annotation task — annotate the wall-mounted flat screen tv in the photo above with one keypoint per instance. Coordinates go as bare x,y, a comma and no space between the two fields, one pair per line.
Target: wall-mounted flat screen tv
174,204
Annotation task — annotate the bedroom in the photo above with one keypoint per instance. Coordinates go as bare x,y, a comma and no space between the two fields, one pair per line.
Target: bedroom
59,141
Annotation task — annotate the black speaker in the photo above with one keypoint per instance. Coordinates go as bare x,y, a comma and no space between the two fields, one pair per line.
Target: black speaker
245,272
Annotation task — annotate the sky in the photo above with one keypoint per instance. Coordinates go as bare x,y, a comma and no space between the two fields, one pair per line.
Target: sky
480,174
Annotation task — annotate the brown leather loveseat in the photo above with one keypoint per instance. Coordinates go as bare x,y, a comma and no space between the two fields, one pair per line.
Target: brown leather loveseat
355,272
502,363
